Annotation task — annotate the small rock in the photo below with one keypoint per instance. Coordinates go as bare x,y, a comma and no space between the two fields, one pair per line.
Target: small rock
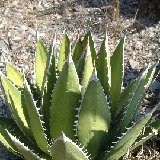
134,64
39,6
131,75
31,38
1,26
158,66
18,15
4,46
17,38
2,64
24,27
149,55
155,87
138,45
152,29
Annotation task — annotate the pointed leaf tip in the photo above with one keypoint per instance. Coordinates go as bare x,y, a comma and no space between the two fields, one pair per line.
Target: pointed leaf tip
64,52
67,150
40,64
14,75
69,60
37,35
94,76
106,42
54,40
88,49
78,34
64,138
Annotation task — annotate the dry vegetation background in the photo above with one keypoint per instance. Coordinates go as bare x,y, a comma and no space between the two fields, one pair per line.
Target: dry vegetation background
138,20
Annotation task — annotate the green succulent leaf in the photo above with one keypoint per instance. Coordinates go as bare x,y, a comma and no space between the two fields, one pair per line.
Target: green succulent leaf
40,64
136,96
150,131
78,50
80,66
103,67
8,127
125,97
94,118
69,98
17,106
35,119
65,100
35,92
87,37
49,83
124,142
24,150
64,52
5,139
117,71
14,75
88,69
64,149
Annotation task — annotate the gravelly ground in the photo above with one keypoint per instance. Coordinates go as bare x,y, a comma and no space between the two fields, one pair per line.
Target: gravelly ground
19,21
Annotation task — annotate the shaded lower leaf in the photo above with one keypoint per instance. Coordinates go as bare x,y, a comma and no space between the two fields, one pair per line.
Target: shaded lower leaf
150,131
6,141
35,120
8,126
137,94
24,150
128,138
94,118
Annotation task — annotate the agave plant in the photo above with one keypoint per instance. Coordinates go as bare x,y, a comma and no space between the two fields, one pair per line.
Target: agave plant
76,108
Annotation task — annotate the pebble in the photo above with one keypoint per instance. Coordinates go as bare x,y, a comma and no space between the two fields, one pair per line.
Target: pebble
155,87
31,38
18,15
133,64
138,45
1,26
3,46
24,27
17,38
